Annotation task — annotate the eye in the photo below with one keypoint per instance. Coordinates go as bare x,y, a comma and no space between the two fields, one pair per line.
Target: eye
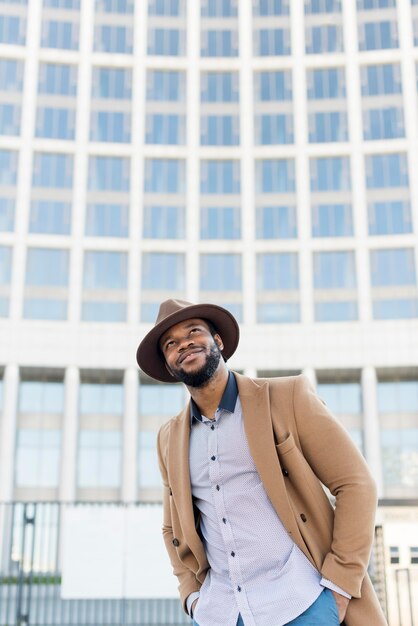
169,344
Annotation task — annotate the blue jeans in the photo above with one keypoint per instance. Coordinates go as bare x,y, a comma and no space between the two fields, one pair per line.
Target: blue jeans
323,612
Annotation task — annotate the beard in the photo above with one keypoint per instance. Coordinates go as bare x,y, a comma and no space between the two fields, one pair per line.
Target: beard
202,376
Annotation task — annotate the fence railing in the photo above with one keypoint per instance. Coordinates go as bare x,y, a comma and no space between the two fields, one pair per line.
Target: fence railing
30,577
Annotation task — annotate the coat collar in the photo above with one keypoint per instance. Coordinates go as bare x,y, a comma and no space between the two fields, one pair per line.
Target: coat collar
255,403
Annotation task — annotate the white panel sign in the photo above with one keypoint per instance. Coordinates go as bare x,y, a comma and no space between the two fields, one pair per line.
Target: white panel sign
115,552
92,552
148,569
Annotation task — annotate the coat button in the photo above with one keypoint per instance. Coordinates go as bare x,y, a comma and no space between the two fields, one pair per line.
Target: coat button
171,493
285,472
176,542
303,517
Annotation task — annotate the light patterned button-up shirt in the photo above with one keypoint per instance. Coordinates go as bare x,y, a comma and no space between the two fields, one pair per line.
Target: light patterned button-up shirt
256,569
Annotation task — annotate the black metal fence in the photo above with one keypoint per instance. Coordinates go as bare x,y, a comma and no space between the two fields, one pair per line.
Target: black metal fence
30,578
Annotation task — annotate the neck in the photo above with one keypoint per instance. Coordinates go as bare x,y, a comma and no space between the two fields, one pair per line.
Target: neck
208,397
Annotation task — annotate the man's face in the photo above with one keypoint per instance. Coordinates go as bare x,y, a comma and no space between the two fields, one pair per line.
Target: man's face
191,353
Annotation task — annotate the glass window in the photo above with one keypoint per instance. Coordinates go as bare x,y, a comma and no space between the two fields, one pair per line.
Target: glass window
219,130
394,555
399,396
148,473
163,270
57,79
363,5
326,83
328,127
219,43
113,39
166,42
220,272
393,266
38,457
386,170
341,398
324,38
163,222
400,460
277,271
108,173
110,126
7,214
165,128
330,174
52,170
115,6
322,6
276,222
51,217
101,399
377,80
275,176
272,42
219,8
60,35
105,270
270,7
165,176
166,7
383,123
99,459
332,220
278,312
9,119
5,276
8,167
41,397
274,128
378,35
160,399
55,123
47,267
62,4
12,30
11,75
220,222
166,86
274,86
219,87
111,83
413,554
107,220
334,270
390,217
219,177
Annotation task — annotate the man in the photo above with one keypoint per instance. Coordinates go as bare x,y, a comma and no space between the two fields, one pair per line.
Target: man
251,534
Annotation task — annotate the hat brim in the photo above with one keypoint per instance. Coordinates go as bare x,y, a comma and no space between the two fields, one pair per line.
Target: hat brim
148,355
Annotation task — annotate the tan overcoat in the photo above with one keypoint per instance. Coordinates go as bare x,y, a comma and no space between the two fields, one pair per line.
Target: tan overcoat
296,445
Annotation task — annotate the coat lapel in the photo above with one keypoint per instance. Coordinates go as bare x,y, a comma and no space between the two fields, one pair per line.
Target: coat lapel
178,471
259,431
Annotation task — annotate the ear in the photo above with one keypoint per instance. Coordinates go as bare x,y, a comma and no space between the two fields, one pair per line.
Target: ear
218,341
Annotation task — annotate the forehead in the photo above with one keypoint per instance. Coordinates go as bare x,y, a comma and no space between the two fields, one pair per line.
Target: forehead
182,327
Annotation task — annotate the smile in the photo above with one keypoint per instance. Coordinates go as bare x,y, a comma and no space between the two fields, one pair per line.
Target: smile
189,355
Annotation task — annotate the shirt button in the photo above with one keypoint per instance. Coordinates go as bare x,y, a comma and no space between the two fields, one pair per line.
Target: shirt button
212,427
217,487
232,553
303,517
213,458
176,542
224,520
238,588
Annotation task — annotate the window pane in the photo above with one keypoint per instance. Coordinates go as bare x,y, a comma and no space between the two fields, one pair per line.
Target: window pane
276,222
275,176
105,270
50,217
162,270
107,220
165,176
220,272
277,271
163,222
52,170
219,177
109,173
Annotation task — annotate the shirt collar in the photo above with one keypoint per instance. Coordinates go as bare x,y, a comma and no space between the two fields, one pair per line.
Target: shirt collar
228,400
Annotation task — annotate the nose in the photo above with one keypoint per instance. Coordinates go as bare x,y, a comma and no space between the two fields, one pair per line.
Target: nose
185,343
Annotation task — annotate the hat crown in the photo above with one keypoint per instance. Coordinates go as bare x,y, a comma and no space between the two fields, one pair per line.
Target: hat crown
168,307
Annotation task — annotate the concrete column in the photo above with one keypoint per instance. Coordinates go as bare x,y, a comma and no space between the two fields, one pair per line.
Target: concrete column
8,431
67,492
310,373
371,425
130,438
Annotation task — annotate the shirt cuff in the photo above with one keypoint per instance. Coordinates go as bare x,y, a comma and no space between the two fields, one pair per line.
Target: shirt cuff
190,599
330,585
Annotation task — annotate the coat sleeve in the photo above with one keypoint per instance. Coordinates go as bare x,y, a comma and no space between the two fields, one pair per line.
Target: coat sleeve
340,466
188,582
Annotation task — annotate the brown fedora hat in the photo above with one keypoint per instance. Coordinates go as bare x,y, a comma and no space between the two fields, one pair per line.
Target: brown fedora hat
171,312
